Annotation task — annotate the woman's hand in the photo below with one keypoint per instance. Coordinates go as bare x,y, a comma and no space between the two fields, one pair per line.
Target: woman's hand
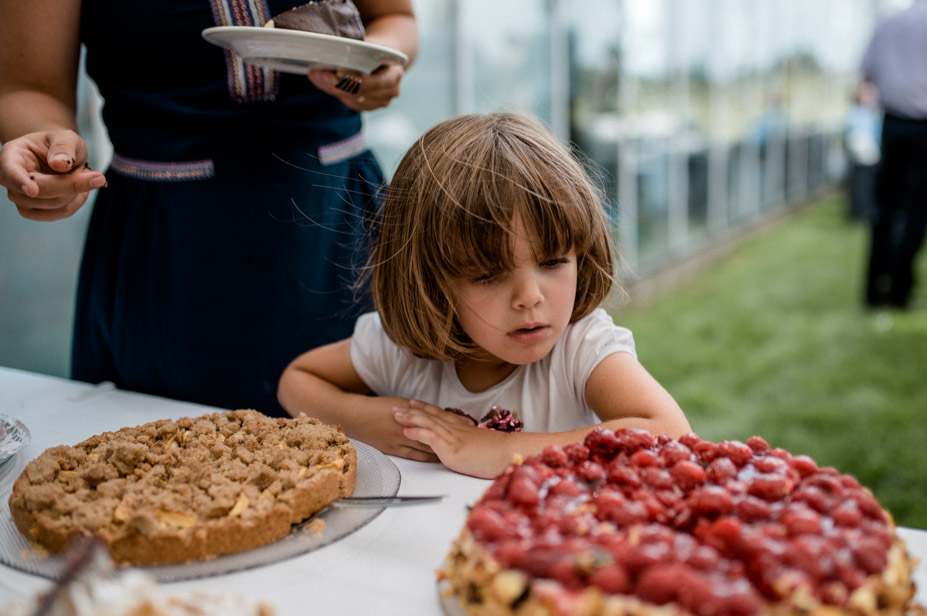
46,174
376,90
460,445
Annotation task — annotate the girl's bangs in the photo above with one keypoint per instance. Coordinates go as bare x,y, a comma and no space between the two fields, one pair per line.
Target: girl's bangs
479,229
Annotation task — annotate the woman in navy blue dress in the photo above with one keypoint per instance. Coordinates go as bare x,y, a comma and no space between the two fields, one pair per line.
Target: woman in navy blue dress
227,238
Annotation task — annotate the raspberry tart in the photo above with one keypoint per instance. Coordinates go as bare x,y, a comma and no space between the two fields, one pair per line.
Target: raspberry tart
629,523
185,489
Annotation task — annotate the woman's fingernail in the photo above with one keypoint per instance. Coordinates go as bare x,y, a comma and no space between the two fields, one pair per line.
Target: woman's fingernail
97,182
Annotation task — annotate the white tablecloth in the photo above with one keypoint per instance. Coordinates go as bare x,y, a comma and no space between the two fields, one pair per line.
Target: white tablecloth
385,567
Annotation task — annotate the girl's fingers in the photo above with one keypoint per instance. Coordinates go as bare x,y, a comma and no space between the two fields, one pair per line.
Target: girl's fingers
418,455
424,436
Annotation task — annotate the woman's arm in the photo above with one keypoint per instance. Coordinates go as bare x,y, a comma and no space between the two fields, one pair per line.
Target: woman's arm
38,66
323,383
39,60
390,23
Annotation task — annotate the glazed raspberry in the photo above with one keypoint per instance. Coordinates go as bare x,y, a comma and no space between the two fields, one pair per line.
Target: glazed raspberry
758,444
848,514
688,474
770,486
830,484
704,557
738,453
632,439
523,491
487,524
602,441
706,451
710,501
867,504
623,475
644,457
751,508
577,452
770,464
511,552
721,470
611,579
657,478
591,471
554,457
673,452
804,465
656,510
659,584
815,497
800,519
564,487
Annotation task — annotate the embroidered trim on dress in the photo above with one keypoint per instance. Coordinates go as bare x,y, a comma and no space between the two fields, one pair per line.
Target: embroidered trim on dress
342,150
246,82
155,171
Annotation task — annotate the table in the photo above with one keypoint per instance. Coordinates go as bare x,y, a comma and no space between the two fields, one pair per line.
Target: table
385,567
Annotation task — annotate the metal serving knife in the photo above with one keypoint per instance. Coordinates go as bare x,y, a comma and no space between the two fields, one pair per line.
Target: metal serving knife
386,501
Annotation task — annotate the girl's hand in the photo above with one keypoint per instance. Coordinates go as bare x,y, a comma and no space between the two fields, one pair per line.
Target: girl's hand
46,174
380,430
376,90
460,445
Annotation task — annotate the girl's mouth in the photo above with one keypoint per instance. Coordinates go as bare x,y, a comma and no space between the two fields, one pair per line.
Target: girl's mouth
529,334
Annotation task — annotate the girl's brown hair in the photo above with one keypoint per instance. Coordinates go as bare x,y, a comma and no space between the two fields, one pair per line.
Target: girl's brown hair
449,213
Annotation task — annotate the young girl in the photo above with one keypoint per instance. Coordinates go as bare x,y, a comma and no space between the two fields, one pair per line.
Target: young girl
492,257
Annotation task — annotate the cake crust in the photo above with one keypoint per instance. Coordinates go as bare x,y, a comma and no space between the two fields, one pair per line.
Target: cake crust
630,524
186,489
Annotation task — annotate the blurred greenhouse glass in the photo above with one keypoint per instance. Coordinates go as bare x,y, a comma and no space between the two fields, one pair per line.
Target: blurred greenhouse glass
702,117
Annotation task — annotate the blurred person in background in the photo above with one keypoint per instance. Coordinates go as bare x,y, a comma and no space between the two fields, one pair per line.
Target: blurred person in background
223,245
896,64
862,134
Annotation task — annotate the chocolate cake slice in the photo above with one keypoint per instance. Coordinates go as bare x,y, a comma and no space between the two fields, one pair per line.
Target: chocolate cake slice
333,17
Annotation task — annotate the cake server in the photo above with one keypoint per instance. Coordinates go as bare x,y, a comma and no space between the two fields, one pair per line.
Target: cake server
386,501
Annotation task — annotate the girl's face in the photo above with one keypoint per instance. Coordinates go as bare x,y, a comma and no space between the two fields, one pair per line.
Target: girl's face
517,316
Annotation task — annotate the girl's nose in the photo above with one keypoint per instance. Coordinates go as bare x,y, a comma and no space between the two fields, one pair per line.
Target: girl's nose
527,293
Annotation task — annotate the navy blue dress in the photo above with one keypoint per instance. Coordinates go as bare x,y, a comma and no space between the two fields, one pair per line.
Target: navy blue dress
234,220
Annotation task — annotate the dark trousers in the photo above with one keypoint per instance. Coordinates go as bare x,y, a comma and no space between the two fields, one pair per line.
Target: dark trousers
901,216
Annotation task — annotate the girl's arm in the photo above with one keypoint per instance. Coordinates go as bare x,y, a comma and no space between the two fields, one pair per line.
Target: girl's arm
621,392
322,383
624,395
42,159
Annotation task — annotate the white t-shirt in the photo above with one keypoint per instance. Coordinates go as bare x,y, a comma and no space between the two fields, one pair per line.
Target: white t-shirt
548,395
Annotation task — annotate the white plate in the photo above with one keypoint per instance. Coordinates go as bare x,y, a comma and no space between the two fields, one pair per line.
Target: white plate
294,51
14,435
377,475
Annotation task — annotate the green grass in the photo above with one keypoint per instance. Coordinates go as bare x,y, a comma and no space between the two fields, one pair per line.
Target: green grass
773,340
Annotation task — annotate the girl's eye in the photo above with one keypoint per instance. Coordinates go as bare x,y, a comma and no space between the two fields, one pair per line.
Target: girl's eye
483,278
555,262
